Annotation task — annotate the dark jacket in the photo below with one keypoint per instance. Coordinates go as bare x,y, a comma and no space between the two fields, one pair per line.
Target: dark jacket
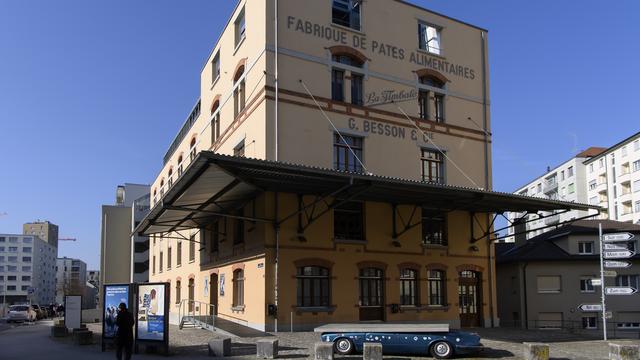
125,322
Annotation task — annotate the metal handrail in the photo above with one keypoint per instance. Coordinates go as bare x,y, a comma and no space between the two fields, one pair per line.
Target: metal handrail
188,308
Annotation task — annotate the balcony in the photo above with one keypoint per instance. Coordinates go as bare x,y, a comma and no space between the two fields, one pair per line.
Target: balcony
601,187
550,186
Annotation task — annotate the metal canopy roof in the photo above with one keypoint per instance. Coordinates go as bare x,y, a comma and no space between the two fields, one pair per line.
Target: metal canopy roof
215,185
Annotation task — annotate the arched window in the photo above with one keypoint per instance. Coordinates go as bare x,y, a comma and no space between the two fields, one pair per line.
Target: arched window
239,91
192,292
215,122
238,288
313,286
408,287
436,281
192,149
178,289
339,75
431,103
180,168
162,188
170,177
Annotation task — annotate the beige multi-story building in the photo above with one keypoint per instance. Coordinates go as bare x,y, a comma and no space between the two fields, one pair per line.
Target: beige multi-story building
45,230
613,181
368,195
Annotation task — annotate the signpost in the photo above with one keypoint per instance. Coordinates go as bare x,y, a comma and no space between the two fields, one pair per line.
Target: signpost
596,282
620,290
612,246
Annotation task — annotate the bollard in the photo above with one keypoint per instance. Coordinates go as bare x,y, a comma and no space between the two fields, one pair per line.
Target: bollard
323,351
536,351
624,351
267,349
220,347
372,351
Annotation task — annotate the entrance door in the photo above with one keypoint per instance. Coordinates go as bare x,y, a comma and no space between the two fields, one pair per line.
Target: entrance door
371,294
191,294
468,298
213,292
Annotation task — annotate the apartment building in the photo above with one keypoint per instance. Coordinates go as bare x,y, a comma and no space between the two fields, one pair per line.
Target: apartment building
71,278
613,181
45,230
333,152
120,250
543,281
27,269
566,182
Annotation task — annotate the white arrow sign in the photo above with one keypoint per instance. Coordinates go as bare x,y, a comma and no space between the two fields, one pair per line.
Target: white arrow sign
617,237
609,273
590,307
617,264
618,254
614,246
595,282
619,290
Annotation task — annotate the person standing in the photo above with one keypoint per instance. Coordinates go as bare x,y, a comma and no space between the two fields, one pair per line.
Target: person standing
124,335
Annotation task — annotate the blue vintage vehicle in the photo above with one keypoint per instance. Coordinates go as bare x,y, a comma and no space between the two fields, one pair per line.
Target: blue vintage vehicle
408,339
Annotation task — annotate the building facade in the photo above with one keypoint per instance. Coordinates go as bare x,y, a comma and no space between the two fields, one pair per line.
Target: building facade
613,181
27,269
543,281
45,230
71,278
117,243
566,182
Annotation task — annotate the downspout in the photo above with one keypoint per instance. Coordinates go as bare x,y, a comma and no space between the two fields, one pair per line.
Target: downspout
276,224
277,85
486,171
526,305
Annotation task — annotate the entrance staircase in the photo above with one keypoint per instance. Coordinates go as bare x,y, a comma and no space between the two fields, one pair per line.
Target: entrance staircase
197,314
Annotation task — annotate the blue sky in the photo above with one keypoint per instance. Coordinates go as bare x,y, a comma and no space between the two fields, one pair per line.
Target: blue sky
92,93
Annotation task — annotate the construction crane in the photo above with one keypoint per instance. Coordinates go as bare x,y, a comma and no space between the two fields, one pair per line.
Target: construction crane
67,239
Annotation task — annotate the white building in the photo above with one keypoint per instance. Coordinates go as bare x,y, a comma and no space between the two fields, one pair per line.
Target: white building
27,269
566,182
71,278
613,181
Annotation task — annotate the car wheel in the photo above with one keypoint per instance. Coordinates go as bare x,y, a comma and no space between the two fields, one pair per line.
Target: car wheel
343,346
441,350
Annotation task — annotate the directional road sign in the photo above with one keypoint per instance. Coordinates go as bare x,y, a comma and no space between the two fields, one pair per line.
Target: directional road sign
590,307
619,290
616,246
596,282
609,273
608,315
613,264
617,237
618,254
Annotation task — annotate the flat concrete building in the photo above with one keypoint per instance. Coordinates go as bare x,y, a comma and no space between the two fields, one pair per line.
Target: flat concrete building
71,278
45,230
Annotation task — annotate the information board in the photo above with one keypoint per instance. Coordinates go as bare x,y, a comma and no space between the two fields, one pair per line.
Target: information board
72,311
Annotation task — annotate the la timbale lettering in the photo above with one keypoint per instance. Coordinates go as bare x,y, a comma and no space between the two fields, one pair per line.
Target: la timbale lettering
342,37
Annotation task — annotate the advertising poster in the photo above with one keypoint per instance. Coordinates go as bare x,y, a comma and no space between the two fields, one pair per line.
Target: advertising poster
113,296
151,312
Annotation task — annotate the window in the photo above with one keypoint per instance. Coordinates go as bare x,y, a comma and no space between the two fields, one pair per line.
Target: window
439,107
585,247
13,249
429,38
26,249
3,239
594,200
169,258
346,152
357,89
585,284
347,13
549,284
624,151
13,239
432,166
637,208
215,68
589,322
426,96
636,166
179,254
192,155
627,280
591,168
636,145
313,286
593,184
161,262
601,163
215,124
26,268
562,175
12,259
11,288
153,268
409,287
571,188
180,171
434,227
240,28
238,288
371,289
628,325
239,149
348,221
26,259
570,171
239,93
436,281
12,278
192,248
178,289
26,278
337,85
